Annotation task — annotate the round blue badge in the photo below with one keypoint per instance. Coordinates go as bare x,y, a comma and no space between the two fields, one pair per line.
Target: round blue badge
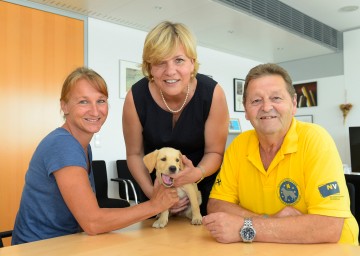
288,192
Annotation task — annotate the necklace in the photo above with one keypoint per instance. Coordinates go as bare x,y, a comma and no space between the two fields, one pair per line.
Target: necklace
182,106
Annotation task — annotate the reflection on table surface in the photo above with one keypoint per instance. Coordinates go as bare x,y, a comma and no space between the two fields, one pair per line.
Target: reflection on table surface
179,237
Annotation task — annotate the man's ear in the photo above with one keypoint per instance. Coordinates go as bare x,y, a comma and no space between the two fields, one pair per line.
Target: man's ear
150,160
294,104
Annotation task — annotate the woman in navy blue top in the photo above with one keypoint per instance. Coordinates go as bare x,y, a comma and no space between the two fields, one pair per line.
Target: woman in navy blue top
174,106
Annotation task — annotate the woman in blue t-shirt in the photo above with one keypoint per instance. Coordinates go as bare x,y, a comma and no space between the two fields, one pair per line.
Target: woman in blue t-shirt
58,196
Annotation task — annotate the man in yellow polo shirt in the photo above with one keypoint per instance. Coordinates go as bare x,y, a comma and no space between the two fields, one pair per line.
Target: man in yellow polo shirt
282,182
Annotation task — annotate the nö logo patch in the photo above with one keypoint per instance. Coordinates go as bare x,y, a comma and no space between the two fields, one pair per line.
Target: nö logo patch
329,189
288,192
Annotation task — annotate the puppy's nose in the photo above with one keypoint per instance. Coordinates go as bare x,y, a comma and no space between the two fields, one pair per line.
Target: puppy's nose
172,168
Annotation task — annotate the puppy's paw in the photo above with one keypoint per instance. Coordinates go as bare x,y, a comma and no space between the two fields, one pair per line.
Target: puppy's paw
159,224
196,220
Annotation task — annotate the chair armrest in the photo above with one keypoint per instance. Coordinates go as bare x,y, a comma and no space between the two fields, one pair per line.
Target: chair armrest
126,187
117,179
4,234
134,191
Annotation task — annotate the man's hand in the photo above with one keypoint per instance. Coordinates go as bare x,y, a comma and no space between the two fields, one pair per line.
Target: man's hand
224,227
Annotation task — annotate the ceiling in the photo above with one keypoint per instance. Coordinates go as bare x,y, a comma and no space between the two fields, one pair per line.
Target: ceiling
221,28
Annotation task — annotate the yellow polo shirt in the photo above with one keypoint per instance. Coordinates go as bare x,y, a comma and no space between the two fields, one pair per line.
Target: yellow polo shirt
306,174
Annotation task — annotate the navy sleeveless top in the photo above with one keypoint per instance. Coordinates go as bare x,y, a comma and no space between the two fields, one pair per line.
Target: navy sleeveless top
188,133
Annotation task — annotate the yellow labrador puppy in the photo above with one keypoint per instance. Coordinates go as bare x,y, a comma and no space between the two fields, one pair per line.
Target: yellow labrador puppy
168,161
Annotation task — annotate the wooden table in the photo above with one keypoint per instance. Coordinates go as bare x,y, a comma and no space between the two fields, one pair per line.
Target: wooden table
178,238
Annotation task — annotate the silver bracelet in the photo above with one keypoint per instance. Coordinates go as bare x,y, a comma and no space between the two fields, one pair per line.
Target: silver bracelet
202,173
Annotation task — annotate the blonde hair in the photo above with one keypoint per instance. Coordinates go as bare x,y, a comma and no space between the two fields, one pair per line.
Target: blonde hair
83,73
163,40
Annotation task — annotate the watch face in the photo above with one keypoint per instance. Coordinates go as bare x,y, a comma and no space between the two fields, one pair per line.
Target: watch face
247,233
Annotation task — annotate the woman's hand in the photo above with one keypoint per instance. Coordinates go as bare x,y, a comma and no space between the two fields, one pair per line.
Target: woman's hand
189,174
180,206
164,197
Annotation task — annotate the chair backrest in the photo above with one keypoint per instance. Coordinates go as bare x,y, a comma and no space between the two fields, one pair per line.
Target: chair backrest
100,178
351,189
4,234
101,187
124,173
354,180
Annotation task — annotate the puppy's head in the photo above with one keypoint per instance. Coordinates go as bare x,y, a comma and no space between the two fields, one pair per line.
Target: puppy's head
166,161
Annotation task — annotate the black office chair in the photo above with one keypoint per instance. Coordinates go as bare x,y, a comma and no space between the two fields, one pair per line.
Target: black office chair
101,187
351,189
125,177
4,234
353,184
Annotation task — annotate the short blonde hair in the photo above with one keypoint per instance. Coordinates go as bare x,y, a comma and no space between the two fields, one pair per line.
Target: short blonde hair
163,40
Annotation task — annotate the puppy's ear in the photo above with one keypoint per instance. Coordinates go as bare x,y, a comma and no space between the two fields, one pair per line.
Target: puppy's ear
181,161
150,160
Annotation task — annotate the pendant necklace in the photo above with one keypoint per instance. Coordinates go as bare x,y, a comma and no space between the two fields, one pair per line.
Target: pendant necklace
182,106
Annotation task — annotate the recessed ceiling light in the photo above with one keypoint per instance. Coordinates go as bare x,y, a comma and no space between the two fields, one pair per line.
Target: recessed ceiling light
350,8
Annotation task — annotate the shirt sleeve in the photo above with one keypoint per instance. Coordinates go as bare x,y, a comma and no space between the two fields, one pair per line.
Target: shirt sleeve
226,183
62,151
326,191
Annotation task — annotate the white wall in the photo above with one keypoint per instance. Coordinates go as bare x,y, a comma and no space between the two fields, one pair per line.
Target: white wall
107,44
330,94
333,91
351,72
352,81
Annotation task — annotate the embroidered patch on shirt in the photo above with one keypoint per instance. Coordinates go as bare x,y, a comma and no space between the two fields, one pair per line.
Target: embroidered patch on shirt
329,189
288,192
218,182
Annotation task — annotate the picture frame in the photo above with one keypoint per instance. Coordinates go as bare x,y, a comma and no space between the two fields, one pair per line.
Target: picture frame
238,94
130,73
234,125
306,94
305,118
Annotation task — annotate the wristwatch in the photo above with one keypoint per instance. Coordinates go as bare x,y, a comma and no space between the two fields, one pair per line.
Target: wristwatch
247,232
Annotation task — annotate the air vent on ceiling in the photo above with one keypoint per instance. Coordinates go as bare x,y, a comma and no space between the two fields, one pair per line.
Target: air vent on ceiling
290,19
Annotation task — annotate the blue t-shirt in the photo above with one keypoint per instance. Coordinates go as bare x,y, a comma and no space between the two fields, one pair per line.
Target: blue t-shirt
43,213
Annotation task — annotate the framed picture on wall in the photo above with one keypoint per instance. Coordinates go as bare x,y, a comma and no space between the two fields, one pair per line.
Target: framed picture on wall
234,125
130,73
238,94
306,94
